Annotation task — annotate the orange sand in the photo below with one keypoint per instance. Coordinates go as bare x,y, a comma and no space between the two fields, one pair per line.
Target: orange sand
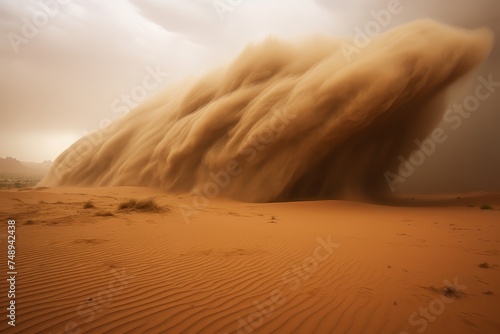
236,267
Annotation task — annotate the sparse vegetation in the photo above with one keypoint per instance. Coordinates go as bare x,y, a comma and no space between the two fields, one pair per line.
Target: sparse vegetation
144,205
486,207
484,265
273,220
104,214
451,292
88,205
147,205
19,182
127,205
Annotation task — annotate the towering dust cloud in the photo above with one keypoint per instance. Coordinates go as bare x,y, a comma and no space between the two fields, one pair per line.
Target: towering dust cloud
286,121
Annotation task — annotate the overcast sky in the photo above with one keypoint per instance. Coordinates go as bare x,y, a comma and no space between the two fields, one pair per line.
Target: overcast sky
64,64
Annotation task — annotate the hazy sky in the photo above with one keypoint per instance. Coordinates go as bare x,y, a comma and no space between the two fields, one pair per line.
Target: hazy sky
65,65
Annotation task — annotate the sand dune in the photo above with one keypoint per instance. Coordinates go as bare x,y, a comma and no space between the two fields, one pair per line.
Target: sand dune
286,121
308,267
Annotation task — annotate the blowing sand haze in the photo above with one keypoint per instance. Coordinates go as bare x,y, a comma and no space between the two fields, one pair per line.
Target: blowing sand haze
286,121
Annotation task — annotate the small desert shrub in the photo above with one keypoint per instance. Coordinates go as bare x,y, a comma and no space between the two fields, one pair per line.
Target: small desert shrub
88,205
484,265
145,205
486,207
104,214
451,292
127,205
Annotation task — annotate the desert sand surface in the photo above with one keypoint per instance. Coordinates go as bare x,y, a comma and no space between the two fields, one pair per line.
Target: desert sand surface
428,264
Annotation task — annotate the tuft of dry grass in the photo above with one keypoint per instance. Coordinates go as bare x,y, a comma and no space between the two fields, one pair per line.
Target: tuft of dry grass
127,205
88,205
451,292
484,265
104,214
143,205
